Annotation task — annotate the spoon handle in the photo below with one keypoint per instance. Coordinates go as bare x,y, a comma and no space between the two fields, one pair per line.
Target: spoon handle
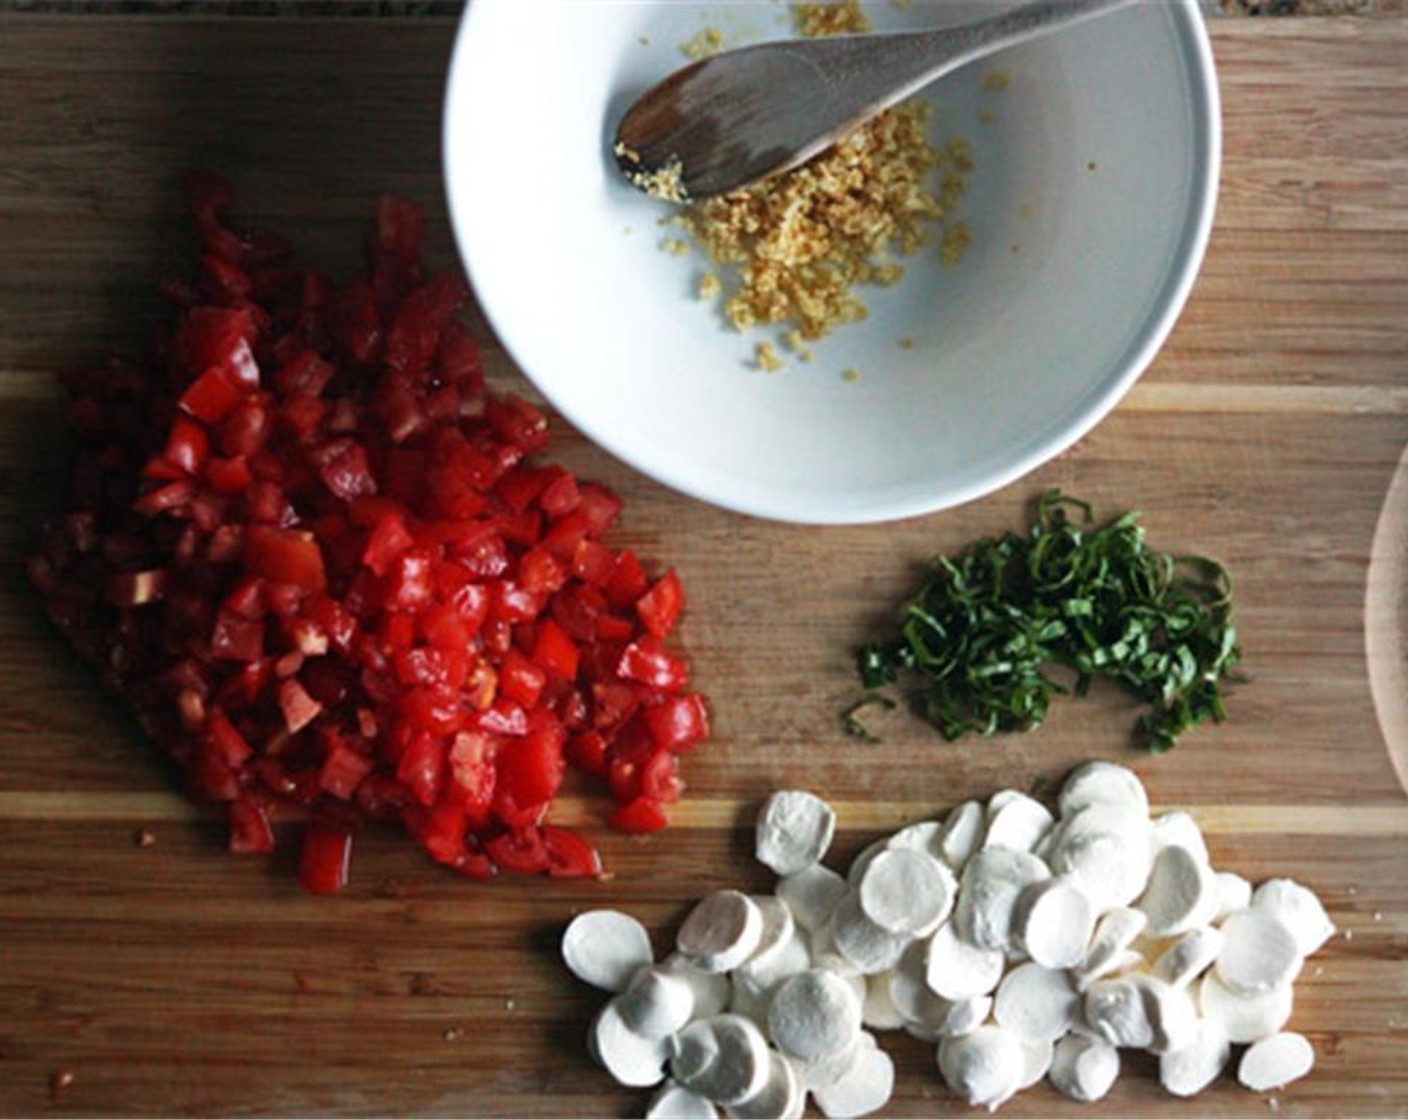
885,69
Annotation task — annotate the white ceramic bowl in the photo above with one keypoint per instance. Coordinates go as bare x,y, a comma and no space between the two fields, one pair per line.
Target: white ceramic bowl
1090,205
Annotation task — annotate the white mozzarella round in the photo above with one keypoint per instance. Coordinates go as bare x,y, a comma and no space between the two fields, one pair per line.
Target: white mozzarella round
794,830
604,948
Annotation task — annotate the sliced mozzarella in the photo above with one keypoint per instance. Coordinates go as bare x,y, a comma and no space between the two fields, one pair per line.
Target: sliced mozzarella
1298,909
1117,1011
823,1072
1233,893
811,894
1036,1061
984,1067
721,932
1053,923
764,972
725,1059
862,861
1181,893
1173,1017
675,1102
656,1002
631,1058
1015,821
778,928
962,834
957,969
1276,1061
1245,1018
782,1094
1084,1068
922,836
878,1010
794,830
1102,783
1181,829
748,1000
867,946
1036,1003
1120,963
1259,952
910,992
965,1016
711,989
1108,849
815,1014
906,892
1114,934
825,954
993,880
864,1088
604,948
1189,1070
1188,957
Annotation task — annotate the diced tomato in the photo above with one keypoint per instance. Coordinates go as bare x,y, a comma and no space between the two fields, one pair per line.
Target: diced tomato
677,723
225,739
539,574
298,707
250,830
593,562
290,556
561,495
409,584
325,859
304,375
520,680
165,499
211,396
531,766
229,476
522,852
627,582
518,422
458,362
554,652
343,769
648,661
421,767
660,778
473,774
245,428
350,585
237,639
389,540
587,752
660,607
569,855
420,320
216,336
641,816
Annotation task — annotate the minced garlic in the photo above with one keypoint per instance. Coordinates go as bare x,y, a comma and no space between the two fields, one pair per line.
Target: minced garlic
707,42
795,248
767,357
843,18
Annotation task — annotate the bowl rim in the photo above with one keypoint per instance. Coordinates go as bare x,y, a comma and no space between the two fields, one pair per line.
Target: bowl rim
1087,411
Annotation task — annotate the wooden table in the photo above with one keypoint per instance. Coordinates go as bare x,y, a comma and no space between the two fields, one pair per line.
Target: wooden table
177,979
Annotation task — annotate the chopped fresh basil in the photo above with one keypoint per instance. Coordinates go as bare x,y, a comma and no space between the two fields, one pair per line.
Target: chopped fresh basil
981,634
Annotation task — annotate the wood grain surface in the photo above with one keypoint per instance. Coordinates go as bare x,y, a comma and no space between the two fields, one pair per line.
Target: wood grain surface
176,979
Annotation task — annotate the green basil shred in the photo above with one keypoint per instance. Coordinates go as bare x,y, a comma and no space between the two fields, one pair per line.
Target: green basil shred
987,623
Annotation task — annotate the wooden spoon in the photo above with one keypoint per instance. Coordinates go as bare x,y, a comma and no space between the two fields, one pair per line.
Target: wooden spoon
736,118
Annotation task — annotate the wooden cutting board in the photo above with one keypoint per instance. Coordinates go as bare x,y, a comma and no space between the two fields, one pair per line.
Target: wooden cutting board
177,979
